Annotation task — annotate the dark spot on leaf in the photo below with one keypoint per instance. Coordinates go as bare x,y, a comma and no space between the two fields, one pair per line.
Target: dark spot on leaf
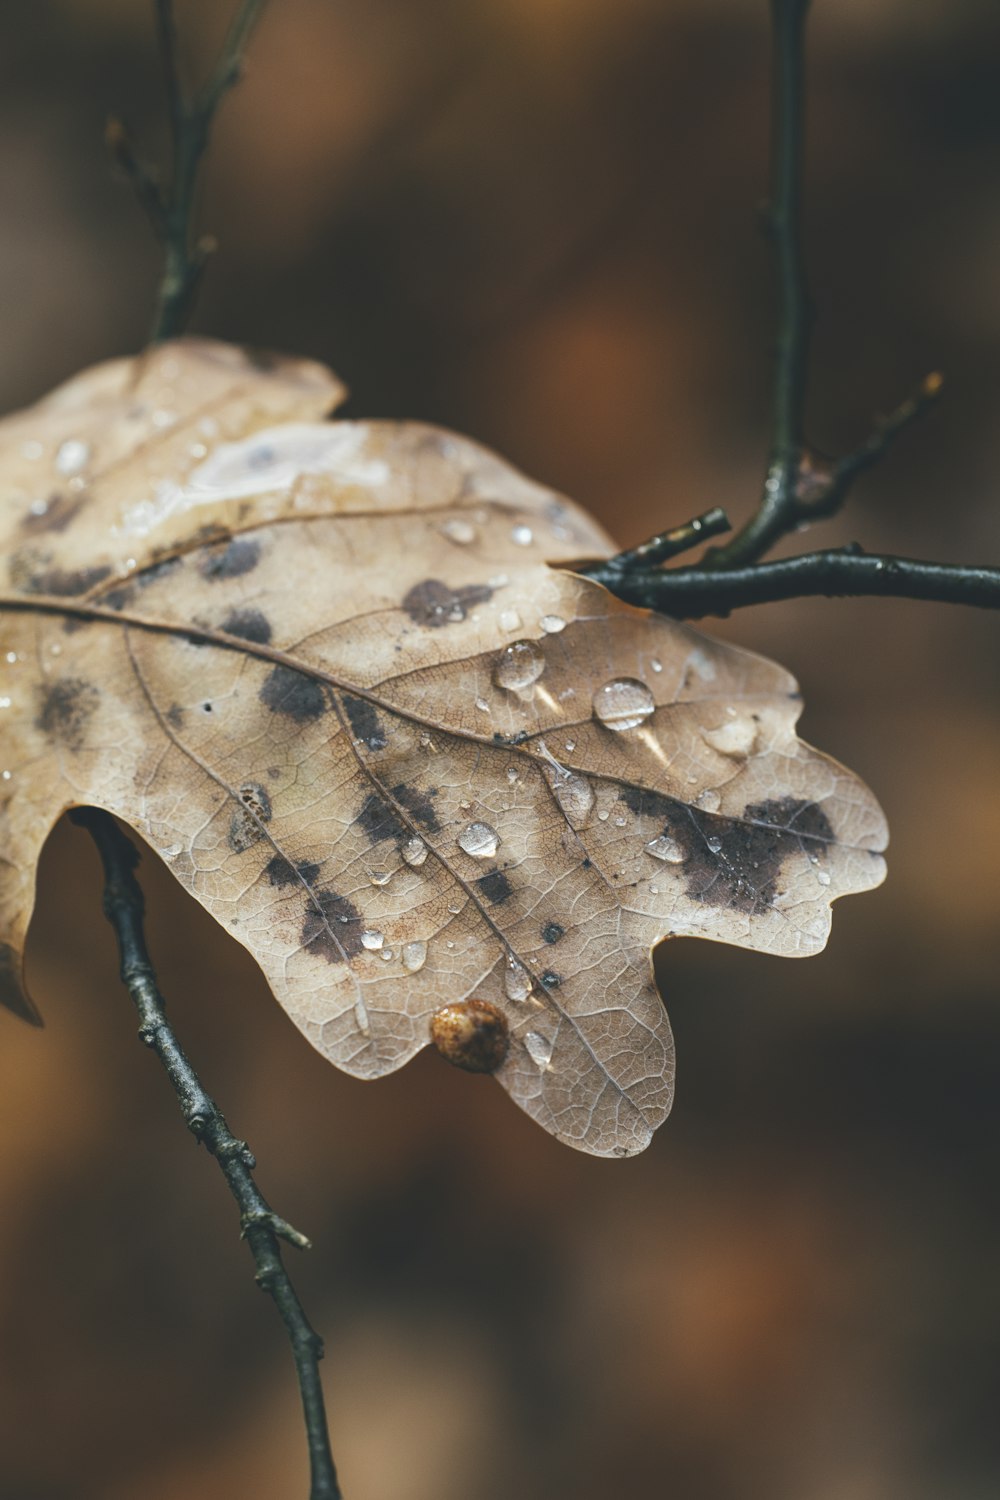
66,707
551,979
253,810
434,604
156,571
552,932
286,691
418,804
241,556
587,864
742,873
119,598
281,871
332,927
380,820
249,625
59,511
471,1034
68,582
175,715
365,722
495,887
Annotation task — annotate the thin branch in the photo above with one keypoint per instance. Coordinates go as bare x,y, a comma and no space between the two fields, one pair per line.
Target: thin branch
260,1226
772,517
191,121
664,545
690,593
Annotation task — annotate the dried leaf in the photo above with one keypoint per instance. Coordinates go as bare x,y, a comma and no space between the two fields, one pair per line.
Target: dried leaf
431,783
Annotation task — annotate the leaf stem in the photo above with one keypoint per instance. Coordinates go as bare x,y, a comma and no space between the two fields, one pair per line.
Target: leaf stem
259,1225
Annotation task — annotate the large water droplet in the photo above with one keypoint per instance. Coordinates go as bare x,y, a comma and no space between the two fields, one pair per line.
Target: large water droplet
709,801
479,840
520,664
538,1048
575,796
414,852
414,956
667,849
623,703
715,844
372,939
516,981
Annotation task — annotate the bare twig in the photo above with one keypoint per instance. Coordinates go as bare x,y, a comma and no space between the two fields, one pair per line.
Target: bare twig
690,593
170,209
260,1226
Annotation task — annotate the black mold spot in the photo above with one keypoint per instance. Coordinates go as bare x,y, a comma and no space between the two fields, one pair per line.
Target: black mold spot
495,887
68,582
66,707
254,809
365,722
241,556
742,874
434,604
418,804
380,821
249,625
551,979
282,872
552,932
286,691
332,927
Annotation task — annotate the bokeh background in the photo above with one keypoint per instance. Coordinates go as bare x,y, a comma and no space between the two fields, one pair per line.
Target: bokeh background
536,221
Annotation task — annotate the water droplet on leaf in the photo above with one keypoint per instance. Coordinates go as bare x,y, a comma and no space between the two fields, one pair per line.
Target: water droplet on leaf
520,664
479,840
623,704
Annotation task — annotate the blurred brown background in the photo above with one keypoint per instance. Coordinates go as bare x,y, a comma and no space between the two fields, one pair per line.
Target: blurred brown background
534,221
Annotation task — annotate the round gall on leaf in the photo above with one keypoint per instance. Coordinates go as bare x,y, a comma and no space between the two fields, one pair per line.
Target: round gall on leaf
472,1034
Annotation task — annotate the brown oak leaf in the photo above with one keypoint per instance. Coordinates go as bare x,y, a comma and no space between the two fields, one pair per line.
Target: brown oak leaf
442,791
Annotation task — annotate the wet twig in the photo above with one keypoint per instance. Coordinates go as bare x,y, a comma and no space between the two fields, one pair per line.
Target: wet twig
798,488
259,1225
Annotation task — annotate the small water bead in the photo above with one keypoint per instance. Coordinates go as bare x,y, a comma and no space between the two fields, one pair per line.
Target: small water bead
387,954
715,844
823,876
12,657
513,775
72,456
570,746
380,877
458,531
656,665
517,981
709,801
520,664
361,1016
603,815
372,939
4,702
5,775
667,849
620,820
623,704
522,536
479,841
414,956
482,705
737,738
538,1048
39,507
552,624
575,796
414,852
